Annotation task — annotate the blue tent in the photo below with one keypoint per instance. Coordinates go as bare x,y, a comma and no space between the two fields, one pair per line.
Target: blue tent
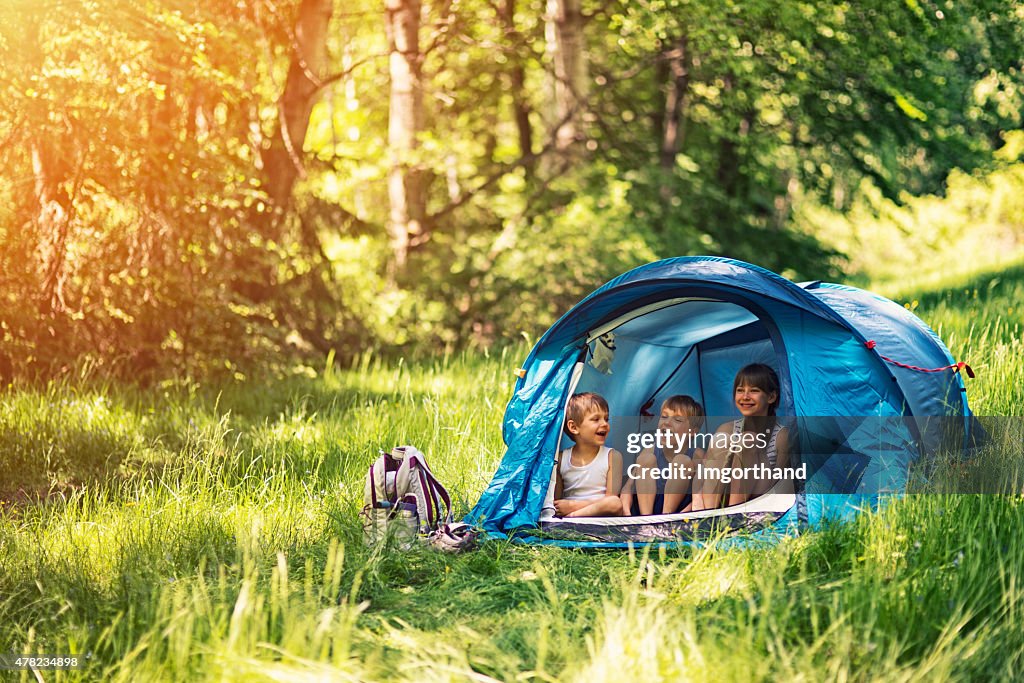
686,325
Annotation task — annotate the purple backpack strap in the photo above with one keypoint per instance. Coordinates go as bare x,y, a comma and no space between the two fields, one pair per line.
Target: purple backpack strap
373,486
437,488
432,490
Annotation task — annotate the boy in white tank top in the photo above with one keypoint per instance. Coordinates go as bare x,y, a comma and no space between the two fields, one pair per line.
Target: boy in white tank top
588,475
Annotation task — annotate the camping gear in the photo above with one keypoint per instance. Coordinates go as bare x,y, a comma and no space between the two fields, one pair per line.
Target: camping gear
402,498
456,537
869,387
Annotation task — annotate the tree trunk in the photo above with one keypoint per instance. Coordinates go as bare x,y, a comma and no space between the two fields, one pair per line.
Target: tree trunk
672,132
657,115
405,122
564,36
671,138
728,154
53,218
282,162
517,78
51,172
731,180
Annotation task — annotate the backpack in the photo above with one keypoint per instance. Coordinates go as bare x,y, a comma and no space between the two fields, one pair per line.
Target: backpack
403,499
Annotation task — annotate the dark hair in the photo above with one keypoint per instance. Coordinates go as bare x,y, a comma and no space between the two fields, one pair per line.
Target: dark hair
580,405
764,378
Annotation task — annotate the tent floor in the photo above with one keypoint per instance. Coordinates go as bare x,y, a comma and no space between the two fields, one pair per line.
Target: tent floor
753,515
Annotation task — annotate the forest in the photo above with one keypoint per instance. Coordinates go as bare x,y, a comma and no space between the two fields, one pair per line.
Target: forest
198,189
246,245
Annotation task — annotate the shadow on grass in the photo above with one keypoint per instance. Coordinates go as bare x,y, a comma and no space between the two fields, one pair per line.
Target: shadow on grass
62,439
979,288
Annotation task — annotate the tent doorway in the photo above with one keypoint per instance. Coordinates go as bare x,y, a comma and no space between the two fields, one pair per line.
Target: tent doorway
685,345
691,346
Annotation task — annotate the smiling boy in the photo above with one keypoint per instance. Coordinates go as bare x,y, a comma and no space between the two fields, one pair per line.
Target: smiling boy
589,474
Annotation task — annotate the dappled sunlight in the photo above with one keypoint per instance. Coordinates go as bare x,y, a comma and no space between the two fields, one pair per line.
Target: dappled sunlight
420,656
278,667
251,621
927,242
710,581
287,432
247,246
639,643
224,553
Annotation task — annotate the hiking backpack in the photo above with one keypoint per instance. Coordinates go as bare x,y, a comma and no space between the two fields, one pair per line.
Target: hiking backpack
403,499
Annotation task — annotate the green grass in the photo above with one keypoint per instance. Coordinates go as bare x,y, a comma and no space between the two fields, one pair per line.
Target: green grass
981,320
210,533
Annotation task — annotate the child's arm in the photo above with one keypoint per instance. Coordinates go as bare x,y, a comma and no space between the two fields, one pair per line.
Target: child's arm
782,457
558,476
614,481
782,448
566,508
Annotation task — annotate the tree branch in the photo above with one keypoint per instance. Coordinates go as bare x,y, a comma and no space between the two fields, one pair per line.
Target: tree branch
333,78
522,162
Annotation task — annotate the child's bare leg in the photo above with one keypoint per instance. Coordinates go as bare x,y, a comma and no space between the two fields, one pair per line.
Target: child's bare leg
714,491
708,490
646,491
737,498
645,486
565,507
626,496
675,491
677,488
626,499
740,492
609,506
706,495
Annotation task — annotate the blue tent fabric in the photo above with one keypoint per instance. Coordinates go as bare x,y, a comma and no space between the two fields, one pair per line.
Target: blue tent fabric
896,330
650,281
702,318
516,493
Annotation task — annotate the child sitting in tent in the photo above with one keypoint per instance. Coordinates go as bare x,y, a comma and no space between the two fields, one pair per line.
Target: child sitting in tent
644,494
756,392
589,474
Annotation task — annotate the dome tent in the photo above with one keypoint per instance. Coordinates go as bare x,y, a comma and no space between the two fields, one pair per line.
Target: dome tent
846,360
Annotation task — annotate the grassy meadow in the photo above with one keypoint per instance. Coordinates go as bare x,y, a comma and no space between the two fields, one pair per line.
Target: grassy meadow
209,533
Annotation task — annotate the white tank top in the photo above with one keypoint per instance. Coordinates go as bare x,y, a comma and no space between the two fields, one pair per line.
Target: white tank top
589,481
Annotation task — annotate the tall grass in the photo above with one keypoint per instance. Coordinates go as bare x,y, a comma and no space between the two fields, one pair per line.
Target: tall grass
981,319
209,533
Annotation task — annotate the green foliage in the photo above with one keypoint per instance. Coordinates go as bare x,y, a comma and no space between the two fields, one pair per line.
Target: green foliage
518,281
225,546
929,241
798,98
137,130
136,234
